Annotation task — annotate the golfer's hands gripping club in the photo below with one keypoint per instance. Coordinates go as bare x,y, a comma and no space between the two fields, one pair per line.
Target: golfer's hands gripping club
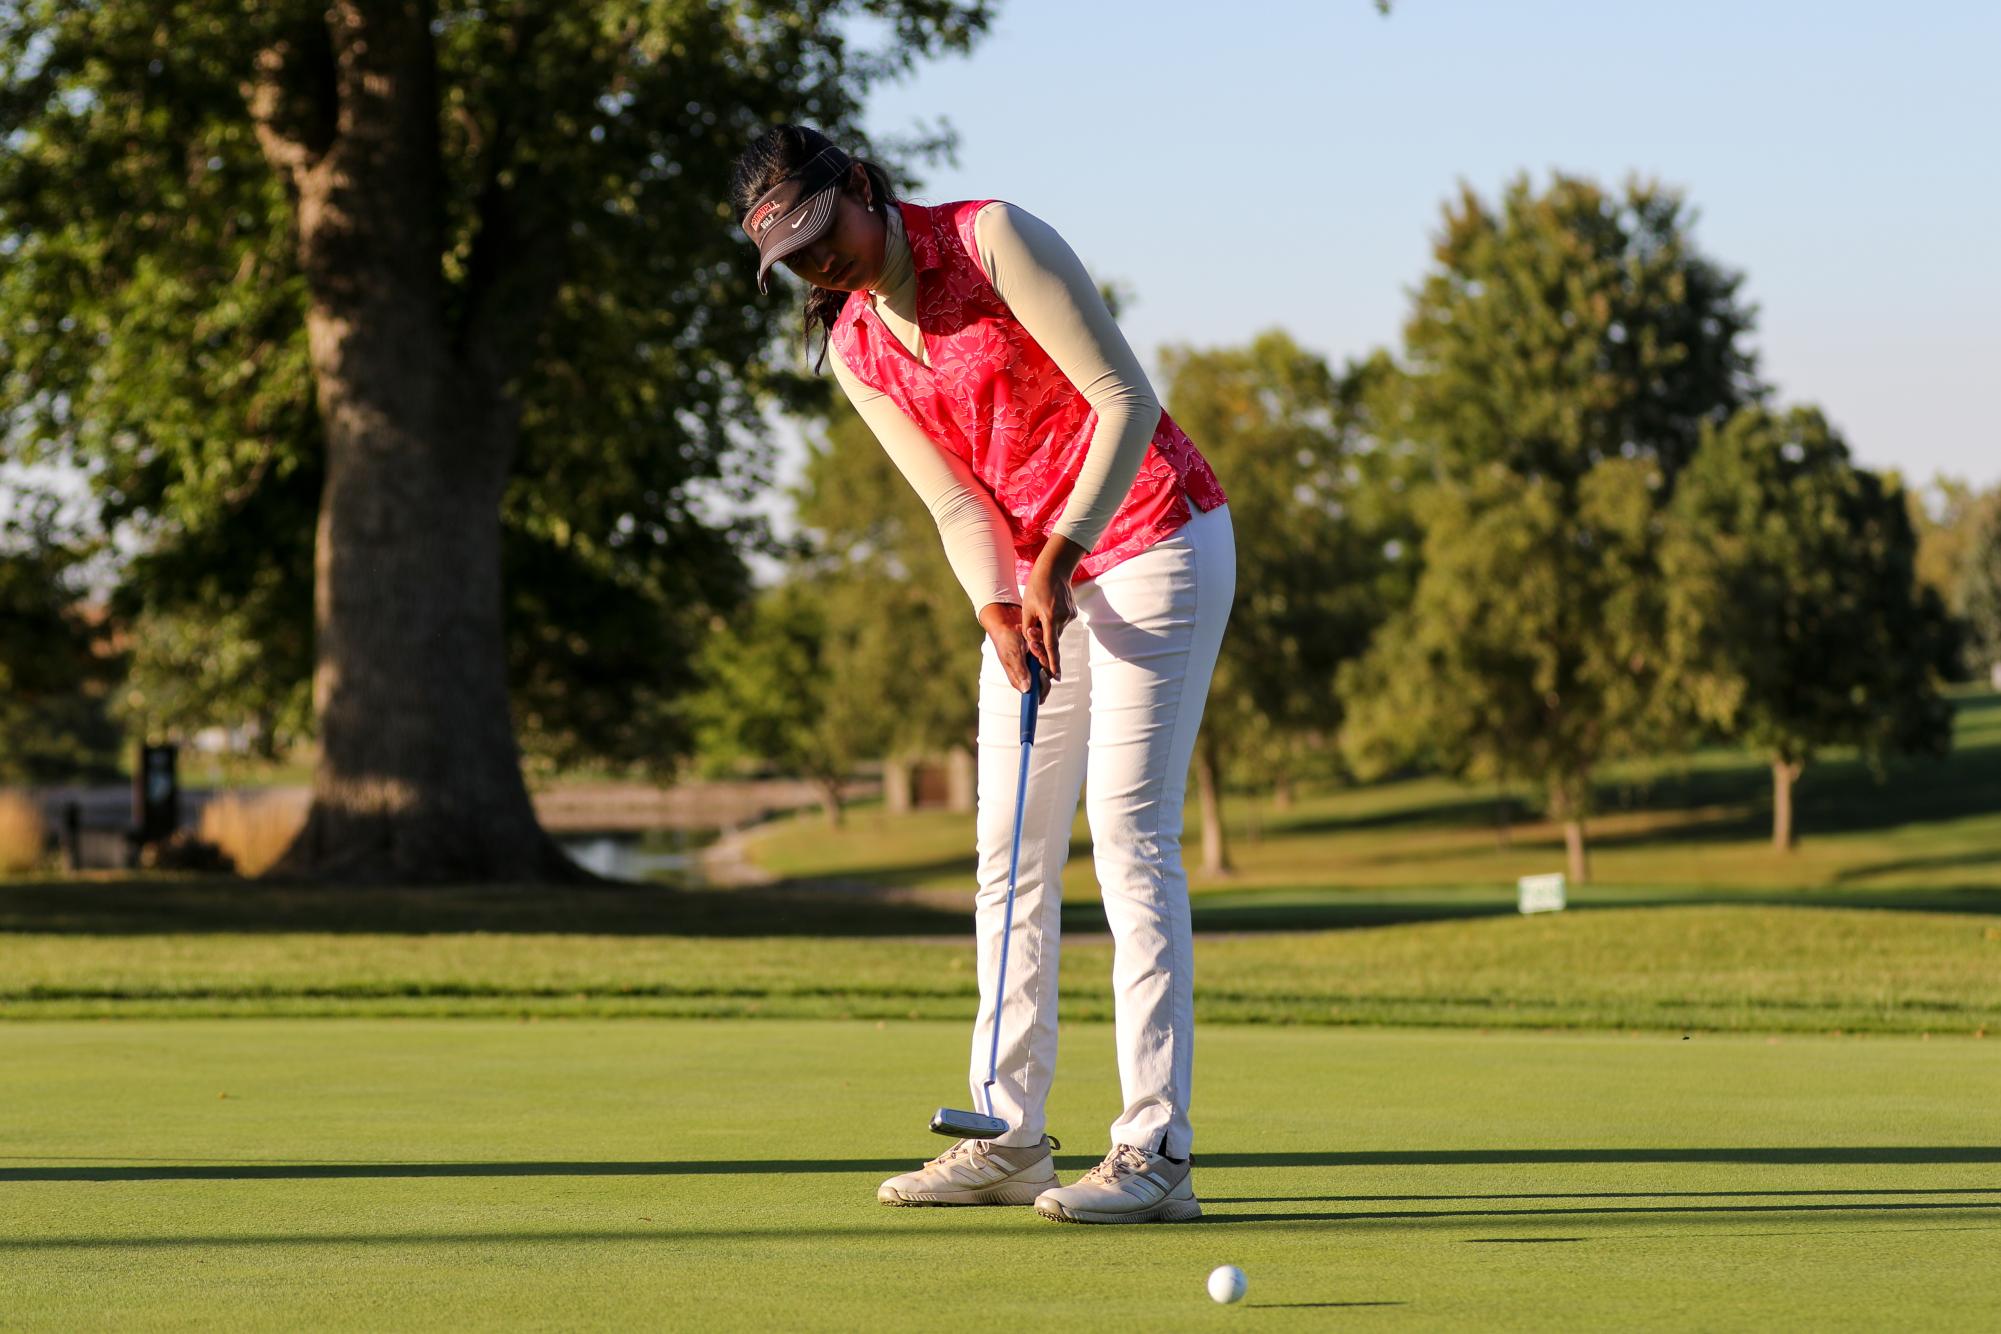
1035,628
1003,623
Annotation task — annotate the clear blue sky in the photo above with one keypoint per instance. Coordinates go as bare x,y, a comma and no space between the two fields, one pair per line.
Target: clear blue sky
1843,155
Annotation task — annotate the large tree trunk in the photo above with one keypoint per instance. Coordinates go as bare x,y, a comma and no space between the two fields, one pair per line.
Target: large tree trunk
1785,773
1215,856
418,779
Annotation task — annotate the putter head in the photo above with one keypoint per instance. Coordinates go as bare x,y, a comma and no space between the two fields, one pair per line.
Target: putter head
966,1125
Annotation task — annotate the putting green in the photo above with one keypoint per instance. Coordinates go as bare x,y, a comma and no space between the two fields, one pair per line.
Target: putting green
721,1175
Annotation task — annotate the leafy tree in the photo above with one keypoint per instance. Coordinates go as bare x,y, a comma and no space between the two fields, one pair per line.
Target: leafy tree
1531,649
1944,515
467,277
1980,588
1796,620
1956,533
220,616
1316,568
55,674
1569,327
1559,363
876,548
779,683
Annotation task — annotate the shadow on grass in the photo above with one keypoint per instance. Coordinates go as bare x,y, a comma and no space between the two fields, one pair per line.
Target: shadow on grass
903,875
1887,1155
1949,861
1486,812
1834,795
1596,1195
1312,1306
141,907
799,908
1332,911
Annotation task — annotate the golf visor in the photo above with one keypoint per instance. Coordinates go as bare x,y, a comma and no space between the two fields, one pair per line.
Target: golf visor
797,211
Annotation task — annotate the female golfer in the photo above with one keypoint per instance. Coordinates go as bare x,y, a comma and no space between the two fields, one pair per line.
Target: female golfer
1088,531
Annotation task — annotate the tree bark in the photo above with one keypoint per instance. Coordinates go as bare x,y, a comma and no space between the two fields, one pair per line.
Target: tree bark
1215,855
897,797
961,780
1574,852
1281,793
1784,774
1568,811
418,778
830,802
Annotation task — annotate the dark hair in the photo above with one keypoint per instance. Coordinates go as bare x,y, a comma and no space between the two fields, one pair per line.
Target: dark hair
778,153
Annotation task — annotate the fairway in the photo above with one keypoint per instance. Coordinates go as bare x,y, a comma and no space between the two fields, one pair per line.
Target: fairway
720,1175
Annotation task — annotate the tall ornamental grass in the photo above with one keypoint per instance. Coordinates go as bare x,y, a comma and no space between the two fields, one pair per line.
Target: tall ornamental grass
254,828
21,833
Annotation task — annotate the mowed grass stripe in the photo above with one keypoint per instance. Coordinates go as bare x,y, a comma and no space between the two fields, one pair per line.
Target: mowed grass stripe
1722,968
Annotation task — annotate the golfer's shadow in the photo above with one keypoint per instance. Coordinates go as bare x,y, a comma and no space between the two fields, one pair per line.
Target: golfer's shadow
183,1170
1886,1155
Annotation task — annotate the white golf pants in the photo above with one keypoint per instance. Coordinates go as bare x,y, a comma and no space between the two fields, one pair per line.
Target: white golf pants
1136,664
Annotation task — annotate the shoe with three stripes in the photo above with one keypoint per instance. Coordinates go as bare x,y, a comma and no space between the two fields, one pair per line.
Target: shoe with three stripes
977,1171
1130,1186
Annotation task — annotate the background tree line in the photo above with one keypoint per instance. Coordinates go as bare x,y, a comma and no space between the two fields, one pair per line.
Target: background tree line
454,531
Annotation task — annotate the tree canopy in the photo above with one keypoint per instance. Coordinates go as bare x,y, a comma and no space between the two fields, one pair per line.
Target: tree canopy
875,553
1324,542
1560,361
1565,327
1796,618
56,670
1531,650
419,332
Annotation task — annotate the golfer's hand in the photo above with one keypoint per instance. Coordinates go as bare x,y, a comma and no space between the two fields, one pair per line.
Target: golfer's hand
1047,605
1003,623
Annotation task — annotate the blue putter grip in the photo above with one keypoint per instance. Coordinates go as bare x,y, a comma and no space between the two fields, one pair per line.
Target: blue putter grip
1030,698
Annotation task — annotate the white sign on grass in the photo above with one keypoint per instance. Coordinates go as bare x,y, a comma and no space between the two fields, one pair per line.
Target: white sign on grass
1540,893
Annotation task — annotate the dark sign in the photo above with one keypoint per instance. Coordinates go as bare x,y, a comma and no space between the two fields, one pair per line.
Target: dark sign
156,794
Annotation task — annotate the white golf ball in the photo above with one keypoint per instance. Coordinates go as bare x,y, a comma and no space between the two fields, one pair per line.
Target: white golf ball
1227,1284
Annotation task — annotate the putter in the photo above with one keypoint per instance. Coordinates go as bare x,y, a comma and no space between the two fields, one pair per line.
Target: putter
985,1125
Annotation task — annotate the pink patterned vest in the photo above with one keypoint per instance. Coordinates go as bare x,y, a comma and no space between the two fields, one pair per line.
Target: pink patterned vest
991,395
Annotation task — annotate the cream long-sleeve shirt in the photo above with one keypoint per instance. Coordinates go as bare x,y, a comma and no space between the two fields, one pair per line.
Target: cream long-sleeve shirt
1046,288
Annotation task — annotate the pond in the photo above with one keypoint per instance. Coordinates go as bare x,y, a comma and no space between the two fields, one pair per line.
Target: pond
673,856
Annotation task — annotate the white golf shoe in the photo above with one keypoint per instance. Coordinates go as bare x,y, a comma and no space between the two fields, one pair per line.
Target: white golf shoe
1130,1186
977,1171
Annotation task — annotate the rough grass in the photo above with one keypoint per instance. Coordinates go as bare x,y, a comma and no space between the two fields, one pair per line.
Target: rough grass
1711,968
